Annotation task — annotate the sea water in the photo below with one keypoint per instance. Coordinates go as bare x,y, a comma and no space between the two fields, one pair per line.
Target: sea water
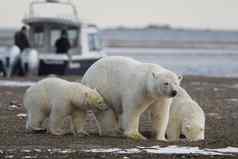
204,62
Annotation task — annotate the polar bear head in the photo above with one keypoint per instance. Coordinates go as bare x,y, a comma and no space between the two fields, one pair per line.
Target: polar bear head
163,83
95,100
194,131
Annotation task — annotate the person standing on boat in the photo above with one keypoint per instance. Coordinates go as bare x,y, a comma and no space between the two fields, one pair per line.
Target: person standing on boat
22,42
21,39
62,44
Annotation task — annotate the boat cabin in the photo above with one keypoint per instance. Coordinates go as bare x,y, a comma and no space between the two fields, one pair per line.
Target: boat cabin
46,19
46,23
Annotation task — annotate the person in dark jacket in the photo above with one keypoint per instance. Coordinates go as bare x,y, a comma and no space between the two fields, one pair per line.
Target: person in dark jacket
62,44
21,41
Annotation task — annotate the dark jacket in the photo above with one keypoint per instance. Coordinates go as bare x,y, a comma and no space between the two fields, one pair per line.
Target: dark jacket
62,45
21,40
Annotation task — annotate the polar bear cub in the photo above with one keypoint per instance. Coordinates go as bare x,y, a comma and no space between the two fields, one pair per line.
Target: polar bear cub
56,99
130,87
186,118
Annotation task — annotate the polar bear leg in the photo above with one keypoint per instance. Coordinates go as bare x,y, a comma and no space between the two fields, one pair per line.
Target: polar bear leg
129,121
78,121
107,123
56,120
129,124
35,120
160,117
35,116
173,131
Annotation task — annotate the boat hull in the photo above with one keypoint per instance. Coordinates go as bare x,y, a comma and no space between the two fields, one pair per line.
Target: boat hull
64,67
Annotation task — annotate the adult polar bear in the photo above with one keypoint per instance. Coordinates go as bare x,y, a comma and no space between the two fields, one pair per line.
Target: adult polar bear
130,87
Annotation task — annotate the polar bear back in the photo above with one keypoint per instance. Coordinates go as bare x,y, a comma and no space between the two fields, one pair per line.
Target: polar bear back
45,92
116,76
113,75
53,89
52,86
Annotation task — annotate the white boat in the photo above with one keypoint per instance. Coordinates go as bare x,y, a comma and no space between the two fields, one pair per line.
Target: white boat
46,19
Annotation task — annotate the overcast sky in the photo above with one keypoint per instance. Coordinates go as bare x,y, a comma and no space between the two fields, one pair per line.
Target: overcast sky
210,14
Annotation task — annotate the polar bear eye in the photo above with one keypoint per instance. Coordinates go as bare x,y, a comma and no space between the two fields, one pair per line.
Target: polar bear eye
166,83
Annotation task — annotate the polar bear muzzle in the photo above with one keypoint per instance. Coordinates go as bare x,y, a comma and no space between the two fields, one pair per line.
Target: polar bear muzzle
96,101
173,93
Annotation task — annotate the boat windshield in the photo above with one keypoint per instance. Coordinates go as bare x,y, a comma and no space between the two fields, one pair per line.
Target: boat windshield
39,37
72,35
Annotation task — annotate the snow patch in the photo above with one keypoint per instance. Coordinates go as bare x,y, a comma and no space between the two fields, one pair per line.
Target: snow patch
26,151
13,106
232,99
9,156
37,150
29,157
21,115
10,83
169,150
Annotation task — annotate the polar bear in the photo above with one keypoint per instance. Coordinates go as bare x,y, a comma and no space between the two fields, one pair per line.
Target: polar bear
57,99
108,123
129,87
186,118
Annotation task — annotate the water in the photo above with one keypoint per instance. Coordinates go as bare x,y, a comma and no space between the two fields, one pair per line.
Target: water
189,35
205,62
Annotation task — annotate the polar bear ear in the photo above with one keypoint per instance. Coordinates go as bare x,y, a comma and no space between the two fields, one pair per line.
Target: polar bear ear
155,75
180,77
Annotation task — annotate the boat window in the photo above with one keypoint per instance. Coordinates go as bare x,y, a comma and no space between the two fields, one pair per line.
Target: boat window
72,35
55,34
38,38
94,42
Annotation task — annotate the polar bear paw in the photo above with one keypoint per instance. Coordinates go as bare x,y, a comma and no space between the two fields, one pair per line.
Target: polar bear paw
159,138
81,133
162,139
58,132
136,136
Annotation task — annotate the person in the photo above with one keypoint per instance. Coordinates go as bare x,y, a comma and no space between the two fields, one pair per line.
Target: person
62,44
21,41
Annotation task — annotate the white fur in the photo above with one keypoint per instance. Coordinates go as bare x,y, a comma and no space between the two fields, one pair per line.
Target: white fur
57,99
130,87
186,117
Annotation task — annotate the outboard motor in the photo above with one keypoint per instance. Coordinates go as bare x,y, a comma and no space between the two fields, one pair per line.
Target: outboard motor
30,61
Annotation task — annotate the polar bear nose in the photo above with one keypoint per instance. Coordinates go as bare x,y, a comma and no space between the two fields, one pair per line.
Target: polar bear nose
173,93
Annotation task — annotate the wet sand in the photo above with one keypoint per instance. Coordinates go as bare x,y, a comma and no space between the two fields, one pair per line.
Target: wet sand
217,96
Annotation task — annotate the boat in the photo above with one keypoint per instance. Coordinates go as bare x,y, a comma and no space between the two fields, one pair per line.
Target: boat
45,20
